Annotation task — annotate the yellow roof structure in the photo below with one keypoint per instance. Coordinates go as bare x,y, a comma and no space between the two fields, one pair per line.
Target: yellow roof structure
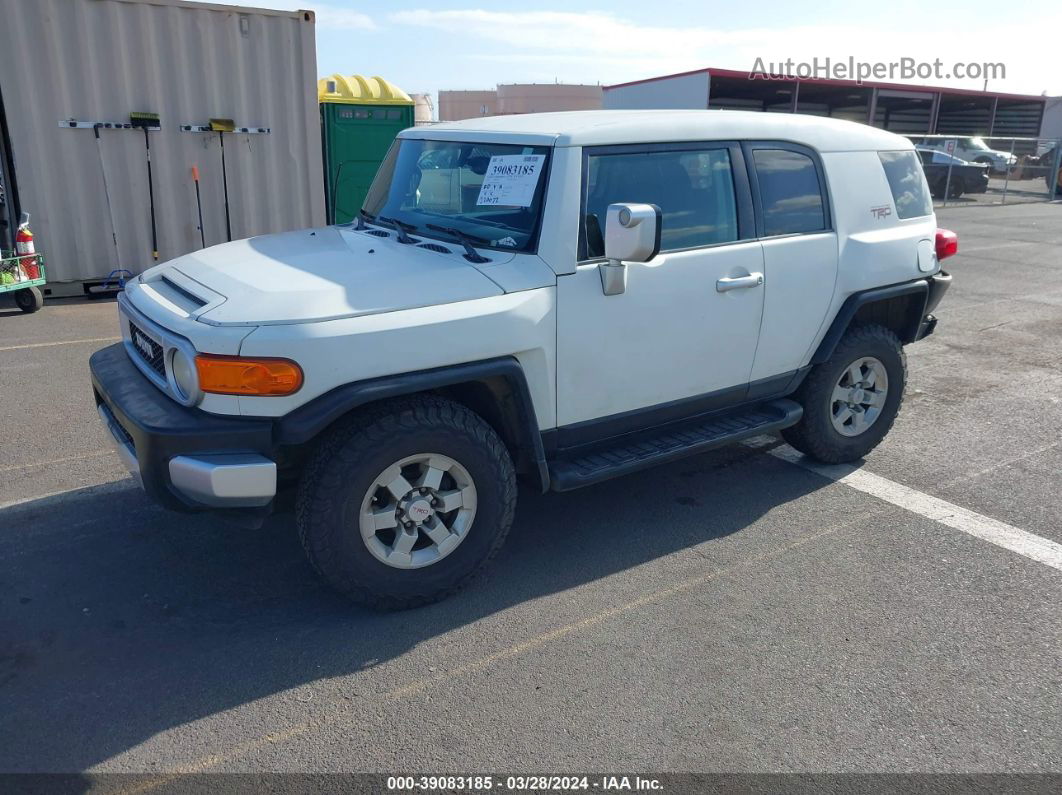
360,90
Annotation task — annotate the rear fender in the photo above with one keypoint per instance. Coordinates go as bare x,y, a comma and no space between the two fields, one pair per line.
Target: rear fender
899,307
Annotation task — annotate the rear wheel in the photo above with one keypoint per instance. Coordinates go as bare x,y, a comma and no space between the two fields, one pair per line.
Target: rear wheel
407,503
851,401
29,299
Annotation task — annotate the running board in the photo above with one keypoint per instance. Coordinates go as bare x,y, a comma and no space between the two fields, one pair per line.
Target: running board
672,443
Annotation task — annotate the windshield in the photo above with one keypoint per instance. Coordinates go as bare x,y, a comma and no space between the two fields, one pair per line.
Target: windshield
977,143
937,157
489,193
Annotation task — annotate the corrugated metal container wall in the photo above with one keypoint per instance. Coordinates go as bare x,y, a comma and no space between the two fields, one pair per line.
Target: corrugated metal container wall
100,60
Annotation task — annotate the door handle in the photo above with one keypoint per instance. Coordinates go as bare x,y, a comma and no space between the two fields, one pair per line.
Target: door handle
726,284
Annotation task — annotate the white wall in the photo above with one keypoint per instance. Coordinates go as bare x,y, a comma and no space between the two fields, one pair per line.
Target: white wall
685,91
1051,127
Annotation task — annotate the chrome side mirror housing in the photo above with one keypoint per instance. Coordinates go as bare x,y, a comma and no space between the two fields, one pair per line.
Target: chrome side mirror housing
632,234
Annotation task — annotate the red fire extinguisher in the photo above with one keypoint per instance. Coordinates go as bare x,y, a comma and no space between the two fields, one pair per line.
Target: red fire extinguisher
24,248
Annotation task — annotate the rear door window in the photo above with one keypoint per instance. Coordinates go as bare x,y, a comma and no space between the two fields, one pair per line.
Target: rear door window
790,192
908,184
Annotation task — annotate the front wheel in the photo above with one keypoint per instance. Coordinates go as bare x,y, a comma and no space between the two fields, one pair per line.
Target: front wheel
851,401
405,504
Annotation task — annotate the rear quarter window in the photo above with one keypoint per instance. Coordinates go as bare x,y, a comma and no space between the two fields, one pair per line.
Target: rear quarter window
790,192
908,184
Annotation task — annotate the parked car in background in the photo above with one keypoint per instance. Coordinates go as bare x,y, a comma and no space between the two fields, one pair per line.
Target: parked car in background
965,177
975,150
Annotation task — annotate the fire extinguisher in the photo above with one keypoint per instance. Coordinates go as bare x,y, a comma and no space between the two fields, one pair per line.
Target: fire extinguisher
24,248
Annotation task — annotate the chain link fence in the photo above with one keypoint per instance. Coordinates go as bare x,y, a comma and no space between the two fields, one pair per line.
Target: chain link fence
965,170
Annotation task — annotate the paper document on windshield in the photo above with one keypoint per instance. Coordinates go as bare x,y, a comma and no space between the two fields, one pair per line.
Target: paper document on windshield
511,180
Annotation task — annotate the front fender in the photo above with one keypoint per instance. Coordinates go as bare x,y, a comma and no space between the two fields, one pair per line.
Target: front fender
306,422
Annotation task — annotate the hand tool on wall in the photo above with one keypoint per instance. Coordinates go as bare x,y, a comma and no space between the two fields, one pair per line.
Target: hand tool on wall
96,126
148,122
222,126
106,192
199,205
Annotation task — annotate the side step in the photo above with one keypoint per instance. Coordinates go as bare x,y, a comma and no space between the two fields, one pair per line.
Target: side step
671,443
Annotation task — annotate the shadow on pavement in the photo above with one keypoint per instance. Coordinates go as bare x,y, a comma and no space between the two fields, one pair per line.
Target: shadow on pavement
119,620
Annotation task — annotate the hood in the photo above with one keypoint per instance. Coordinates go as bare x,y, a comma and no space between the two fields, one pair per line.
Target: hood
320,274
995,154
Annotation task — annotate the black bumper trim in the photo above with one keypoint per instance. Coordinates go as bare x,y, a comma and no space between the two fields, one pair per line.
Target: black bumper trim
938,285
927,327
161,428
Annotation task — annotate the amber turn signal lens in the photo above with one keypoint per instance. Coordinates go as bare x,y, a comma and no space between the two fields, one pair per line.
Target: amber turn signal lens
235,375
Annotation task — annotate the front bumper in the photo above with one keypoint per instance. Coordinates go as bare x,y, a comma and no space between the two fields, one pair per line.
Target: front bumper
185,458
938,285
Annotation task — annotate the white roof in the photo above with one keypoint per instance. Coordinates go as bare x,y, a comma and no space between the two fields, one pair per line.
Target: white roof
602,127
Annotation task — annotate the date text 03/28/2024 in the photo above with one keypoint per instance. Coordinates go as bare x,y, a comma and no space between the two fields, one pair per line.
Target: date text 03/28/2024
485,783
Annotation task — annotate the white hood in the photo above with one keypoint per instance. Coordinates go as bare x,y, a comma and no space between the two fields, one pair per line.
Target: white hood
321,274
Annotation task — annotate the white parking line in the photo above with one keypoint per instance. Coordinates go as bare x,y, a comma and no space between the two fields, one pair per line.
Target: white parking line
60,342
993,531
64,460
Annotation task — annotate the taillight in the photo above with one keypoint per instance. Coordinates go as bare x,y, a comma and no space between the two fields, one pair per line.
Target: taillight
235,375
947,243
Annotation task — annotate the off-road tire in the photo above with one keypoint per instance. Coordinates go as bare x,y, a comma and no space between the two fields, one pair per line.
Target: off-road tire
342,469
815,435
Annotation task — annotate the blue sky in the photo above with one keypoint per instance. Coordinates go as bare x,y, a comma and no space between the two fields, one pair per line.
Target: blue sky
427,46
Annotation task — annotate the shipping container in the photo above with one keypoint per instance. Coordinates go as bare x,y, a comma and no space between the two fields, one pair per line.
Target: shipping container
103,60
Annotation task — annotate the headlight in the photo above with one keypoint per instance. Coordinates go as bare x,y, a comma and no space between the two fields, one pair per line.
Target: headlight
184,374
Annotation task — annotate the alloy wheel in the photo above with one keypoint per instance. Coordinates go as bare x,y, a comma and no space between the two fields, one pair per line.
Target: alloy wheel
417,511
859,396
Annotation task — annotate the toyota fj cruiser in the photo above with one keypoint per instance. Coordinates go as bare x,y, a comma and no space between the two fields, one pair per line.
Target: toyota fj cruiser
558,298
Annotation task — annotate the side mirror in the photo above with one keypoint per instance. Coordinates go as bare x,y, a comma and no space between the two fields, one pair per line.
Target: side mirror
632,234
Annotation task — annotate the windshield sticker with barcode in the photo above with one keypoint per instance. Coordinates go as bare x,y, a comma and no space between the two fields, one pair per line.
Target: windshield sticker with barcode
510,180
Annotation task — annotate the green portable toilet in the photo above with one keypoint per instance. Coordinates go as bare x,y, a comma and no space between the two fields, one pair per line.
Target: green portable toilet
360,117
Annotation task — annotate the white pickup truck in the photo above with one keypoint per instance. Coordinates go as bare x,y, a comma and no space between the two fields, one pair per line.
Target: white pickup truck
553,298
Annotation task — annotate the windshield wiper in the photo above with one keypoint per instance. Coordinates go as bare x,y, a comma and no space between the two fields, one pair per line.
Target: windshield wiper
402,228
362,217
465,240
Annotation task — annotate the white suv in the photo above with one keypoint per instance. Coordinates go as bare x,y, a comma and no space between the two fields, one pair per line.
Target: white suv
557,298
975,150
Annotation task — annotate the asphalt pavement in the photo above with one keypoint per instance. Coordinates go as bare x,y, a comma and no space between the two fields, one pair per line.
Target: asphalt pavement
729,612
